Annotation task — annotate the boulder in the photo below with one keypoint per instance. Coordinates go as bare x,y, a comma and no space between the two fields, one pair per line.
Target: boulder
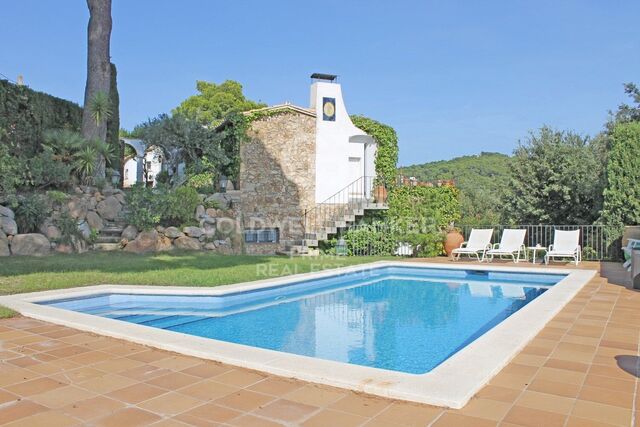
8,225
120,197
193,231
7,212
160,229
173,233
213,212
92,203
130,232
164,244
109,208
78,208
30,244
94,221
210,247
220,199
146,241
200,212
85,230
52,232
64,248
4,245
187,243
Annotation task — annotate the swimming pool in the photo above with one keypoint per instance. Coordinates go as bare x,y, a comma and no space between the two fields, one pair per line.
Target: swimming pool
406,330
397,318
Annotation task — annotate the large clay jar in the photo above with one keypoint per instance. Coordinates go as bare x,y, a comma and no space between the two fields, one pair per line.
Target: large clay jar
380,194
452,241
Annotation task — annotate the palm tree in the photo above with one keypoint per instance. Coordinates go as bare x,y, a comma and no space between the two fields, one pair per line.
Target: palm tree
96,110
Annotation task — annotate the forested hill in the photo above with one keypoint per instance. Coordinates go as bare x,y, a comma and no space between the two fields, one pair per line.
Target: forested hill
480,178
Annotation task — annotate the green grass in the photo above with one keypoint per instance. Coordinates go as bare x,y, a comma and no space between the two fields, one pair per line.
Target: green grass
29,274
6,313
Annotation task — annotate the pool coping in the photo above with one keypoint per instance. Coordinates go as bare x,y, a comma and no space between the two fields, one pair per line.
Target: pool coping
450,384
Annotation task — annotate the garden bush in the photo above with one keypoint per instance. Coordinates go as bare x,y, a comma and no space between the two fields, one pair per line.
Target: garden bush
178,205
142,208
31,211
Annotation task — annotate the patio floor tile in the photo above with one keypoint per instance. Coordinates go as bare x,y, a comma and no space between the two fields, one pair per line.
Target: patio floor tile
580,371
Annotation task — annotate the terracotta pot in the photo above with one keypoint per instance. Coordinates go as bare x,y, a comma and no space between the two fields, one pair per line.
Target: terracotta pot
452,241
380,194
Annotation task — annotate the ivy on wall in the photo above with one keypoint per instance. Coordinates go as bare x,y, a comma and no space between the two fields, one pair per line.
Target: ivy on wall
387,151
422,214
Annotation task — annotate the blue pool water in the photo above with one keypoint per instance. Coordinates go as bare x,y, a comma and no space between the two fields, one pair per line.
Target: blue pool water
406,319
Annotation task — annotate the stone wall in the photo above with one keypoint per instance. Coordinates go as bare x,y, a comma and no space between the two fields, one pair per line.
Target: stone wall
277,177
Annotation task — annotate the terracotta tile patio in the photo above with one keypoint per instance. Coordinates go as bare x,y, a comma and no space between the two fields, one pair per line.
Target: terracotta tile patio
581,370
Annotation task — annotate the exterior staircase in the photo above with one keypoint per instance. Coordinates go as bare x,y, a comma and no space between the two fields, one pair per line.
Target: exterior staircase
110,234
338,212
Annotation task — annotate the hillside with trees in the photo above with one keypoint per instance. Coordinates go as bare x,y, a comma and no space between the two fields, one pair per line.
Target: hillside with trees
481,180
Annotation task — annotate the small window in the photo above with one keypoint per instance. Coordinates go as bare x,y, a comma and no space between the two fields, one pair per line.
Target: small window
263,235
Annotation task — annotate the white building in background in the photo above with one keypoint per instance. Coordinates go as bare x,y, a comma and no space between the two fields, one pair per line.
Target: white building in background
144,166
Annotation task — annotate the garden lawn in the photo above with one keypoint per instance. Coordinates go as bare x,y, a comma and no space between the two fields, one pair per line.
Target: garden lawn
29,274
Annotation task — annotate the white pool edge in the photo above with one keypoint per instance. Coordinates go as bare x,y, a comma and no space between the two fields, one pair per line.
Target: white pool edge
451,384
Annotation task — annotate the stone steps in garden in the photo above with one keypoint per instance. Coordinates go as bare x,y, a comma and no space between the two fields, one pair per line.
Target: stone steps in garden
106,246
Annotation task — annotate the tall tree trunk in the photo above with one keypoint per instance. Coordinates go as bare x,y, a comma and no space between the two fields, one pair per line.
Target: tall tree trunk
98,71
113,125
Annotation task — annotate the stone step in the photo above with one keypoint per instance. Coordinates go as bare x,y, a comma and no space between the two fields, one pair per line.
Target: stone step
106,246
108,239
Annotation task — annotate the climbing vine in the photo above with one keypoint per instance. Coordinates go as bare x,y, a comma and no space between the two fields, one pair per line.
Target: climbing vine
387,150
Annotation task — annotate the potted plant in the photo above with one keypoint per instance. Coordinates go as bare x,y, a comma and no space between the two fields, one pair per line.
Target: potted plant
452,239
379,191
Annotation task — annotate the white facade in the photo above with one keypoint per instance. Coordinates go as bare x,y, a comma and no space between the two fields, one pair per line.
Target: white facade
344,153
136,169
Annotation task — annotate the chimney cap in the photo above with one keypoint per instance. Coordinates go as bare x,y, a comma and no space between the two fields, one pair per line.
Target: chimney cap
322,76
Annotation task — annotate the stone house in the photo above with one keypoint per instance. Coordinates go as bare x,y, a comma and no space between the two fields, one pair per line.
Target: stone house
304,172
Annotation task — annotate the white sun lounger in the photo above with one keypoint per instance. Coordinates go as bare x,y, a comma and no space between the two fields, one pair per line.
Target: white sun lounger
511,244
566,244
478,244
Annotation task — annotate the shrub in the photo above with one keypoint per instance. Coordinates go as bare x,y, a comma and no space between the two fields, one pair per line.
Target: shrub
69,232
57,197
179,205
202,182
211,204
142,212
31,212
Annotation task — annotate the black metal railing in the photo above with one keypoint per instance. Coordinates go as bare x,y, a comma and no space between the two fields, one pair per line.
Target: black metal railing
335,211
596,241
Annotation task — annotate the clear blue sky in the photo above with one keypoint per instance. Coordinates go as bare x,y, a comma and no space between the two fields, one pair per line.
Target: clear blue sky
453,77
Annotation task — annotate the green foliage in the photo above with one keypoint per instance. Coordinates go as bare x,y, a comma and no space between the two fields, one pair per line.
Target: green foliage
31,211
148,207
73,151
25,114
68,226
57,197
202,182
215,102
556,178
387,150
424,208
211,204
622,194
481,180
371,239
185,141
142,208
629,113
10,178
100,107
178,206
